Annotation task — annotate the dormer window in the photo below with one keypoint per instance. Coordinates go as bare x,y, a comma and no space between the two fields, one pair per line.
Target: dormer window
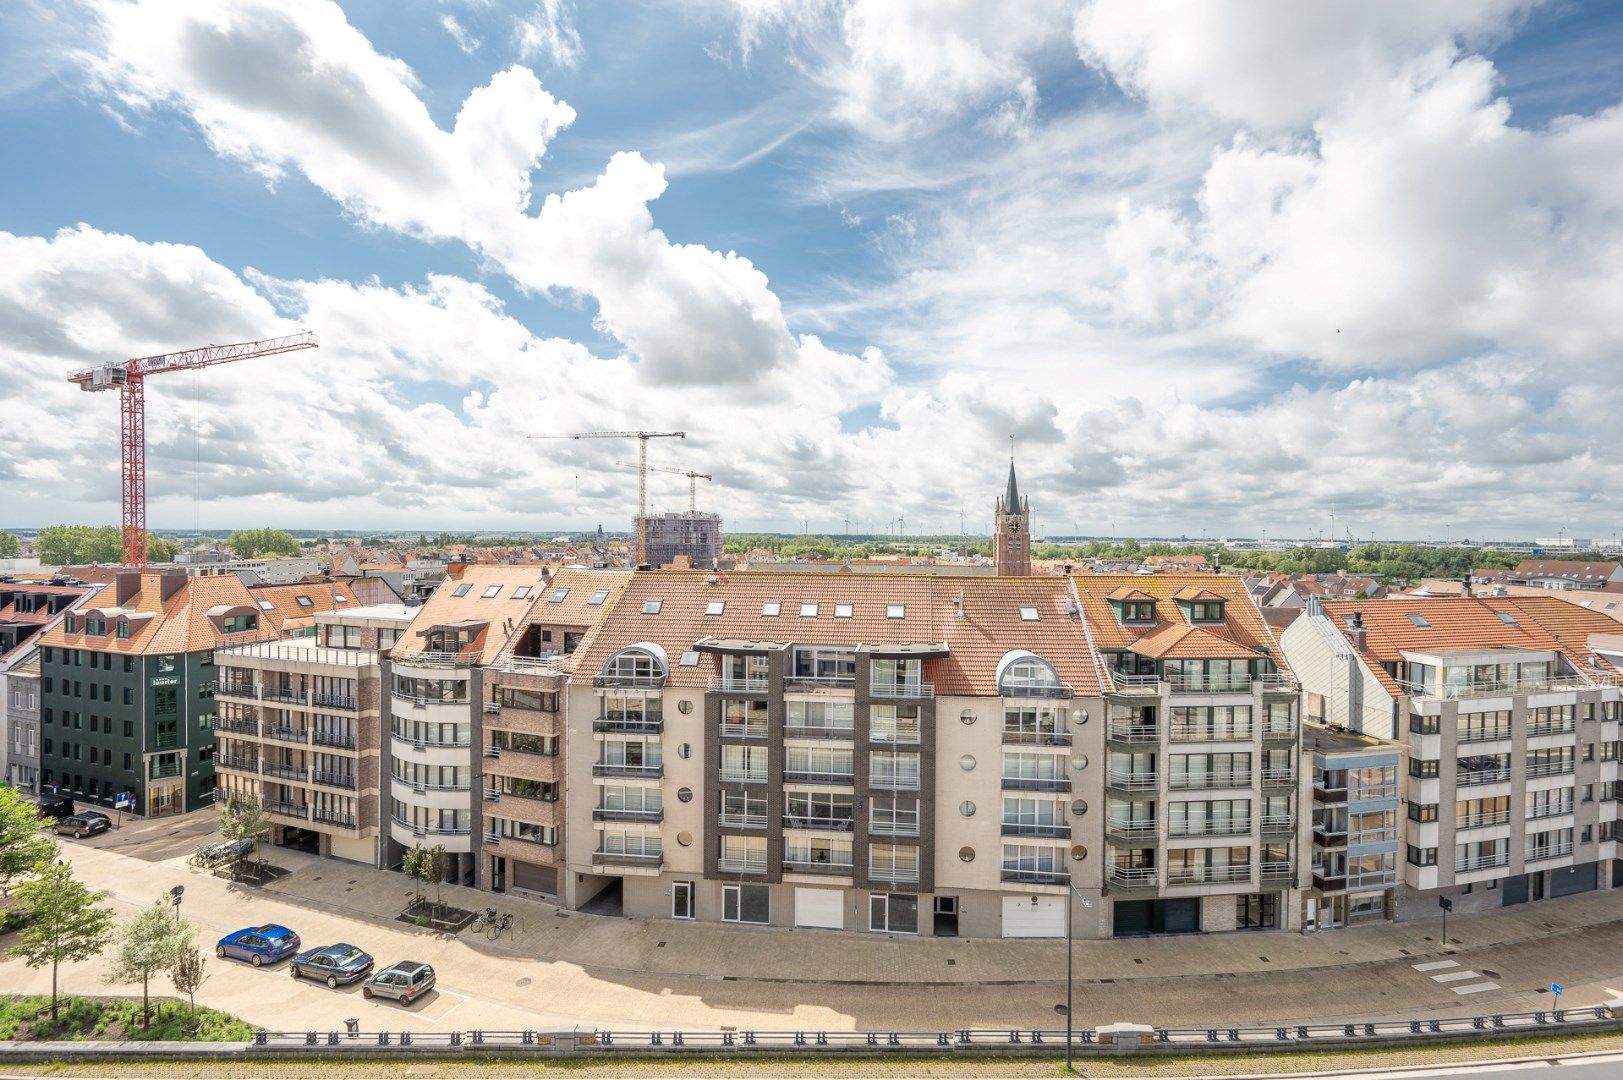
240,624
96,627
123,628
1206,611
1138,611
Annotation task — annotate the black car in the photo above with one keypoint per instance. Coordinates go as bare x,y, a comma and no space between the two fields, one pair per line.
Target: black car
84,823
55,806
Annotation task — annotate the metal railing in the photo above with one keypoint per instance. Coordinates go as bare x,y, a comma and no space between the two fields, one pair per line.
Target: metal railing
899,824
289,697
1135,684
286,772
333,817
239,763
1286,775
819,682
1484,821
297,650
425,744
744,820
1278,871
1133,781
820,731
1219,778
1206,733
1132,877
1033,876
894,781
742,864
233,726
1549,851
813,866
1481,862
1277,823
1467,735
629,725
622,813
419,829
741,776
1209,684
531,665
898,735
817,776
1036,783
629,682
1550,768
465,658
283,733
329,778
1548,810
1489,688
1132,831
630,858
897,873
1025,688
1209,827
902,690
1552,727
287,809
1022,736
643,772
333,701
826,824
1208,875
746,730
1474,777
1116,731
341,739
738,684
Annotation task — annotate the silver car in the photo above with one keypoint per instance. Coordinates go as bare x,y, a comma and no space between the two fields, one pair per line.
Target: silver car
406,982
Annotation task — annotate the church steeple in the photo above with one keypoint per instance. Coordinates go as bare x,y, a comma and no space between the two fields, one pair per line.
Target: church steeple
1011,543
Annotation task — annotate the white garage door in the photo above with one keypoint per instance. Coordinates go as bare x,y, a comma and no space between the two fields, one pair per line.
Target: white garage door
820,907
1022,918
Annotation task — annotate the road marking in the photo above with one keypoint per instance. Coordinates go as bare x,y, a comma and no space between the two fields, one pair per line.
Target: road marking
1455,976
1474,988
1437,965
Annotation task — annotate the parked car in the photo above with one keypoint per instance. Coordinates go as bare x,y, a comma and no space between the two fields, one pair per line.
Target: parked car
55,806
259,945
405,982
84,823
332,964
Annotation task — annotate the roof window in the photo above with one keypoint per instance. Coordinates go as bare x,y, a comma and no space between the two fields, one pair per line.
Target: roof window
1028,614
1419,621
598,596
521,592
808,611
651,607
771,609
558,595
689,659
265,605
305,601
895,611
715,607
843,611
1506,617
490,592
461,590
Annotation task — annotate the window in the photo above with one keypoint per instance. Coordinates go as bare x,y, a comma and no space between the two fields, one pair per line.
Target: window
1206,611
462,589
266,605
844,611
895,611
808,611
304,601
1423,768
771,609
893,913
166,665
597,598
746,904
490,592
651,607
233,624
521,592
681,899
1423,811
558,595
715,607
1419,621
1423,725
1138,611
689,659
1028,614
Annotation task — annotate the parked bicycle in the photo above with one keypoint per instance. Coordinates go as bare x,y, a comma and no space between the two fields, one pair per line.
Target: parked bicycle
491,923
482,920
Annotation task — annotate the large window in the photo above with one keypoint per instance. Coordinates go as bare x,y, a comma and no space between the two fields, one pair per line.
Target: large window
746,904
893,913
817,762
743,764
818,719
634,665
1027,676
894,723
837,666
819,852
437,690
893,770
743,854
817,809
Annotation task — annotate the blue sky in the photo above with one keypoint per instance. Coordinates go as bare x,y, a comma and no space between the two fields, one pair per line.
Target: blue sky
1219,274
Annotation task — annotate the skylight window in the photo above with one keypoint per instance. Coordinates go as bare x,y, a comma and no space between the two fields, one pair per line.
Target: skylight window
689,659
305,601
1506,617
558,595
771,609
895,611
490,592
1028,614
521,592
808,611
598,596
1419,621
715,607
265,605
461,590
651,607
843,611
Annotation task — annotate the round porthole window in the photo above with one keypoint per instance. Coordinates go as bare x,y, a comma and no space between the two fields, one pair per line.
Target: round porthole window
966,808
1079,807
685,750
967,716
966,854
684,706
1079,717
685,839
1079,763
684,795
967,762
1078,853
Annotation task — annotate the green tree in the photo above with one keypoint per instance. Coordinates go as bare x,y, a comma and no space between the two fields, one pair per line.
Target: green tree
160,550
437,862
149,943
243,818
187,973
23,845
252,543
69,921
418,864
10,546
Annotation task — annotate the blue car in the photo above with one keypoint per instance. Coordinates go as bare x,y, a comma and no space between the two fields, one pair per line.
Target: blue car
332,964
259,945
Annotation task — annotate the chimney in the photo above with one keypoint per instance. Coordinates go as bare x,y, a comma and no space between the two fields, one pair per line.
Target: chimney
454,568
128,586
1465,585
169,585
1355,630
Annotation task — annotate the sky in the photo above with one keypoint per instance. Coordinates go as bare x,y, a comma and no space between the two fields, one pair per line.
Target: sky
1243,268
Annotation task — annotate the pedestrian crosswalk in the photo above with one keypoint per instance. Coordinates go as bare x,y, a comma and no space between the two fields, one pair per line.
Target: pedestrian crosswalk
1450,974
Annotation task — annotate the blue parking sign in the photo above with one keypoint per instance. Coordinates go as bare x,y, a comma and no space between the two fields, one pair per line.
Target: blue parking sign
1555,988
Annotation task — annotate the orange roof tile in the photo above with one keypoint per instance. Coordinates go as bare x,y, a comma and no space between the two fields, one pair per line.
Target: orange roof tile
1243,631
181,623
289,614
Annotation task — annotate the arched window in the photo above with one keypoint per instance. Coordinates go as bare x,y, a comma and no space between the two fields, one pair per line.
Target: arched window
1025,674
643,663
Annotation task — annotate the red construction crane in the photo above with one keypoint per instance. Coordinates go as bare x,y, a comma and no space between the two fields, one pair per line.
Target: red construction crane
129,378
642,438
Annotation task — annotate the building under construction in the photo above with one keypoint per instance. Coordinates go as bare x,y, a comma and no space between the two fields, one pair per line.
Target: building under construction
694,534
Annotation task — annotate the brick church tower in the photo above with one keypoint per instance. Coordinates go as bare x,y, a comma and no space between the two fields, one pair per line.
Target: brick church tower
1011,544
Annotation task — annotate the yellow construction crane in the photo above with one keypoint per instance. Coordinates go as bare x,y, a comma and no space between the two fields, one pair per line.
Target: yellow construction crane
642,438
693,480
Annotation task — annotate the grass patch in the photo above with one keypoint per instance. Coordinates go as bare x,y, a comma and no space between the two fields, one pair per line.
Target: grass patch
86,1018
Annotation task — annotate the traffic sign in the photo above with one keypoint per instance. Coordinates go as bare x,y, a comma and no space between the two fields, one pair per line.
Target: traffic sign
1555,988
124,800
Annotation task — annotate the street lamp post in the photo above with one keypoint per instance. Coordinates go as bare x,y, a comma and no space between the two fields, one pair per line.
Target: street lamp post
1070,943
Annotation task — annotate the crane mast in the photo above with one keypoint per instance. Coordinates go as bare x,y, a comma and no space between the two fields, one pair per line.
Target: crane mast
693,480
642,438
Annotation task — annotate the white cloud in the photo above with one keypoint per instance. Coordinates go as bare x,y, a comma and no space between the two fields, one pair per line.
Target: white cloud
459,34
548,33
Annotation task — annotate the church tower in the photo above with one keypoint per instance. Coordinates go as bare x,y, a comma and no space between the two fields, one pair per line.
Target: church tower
1011,544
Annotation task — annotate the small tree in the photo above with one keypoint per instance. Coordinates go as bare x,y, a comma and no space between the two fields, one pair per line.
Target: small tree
416,864
187,973
69,921
437,860
243,818
151,942
23,845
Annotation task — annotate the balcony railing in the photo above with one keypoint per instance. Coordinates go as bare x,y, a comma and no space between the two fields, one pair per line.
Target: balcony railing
900,824
1481,862
290,697
283,733
630,682
1210,827
901,690
465,658
1131,831
814,866
893,872
1468,735
742,864
244,690
899,735
1482,776
751,729
1553,727
286,772
1133,781
1488,820
531,665
824,824
817,776
1131,877
1219,778
629,858
1549,768
1497,687
436,743
1036,783
1286,775
894,781
419,829
287,809
820,731
1278,823
1025,688
1549,851
1273,729
741,776
622,813
1549,810
1278,872
1119,731
1034,875
343,740
334,701
1208,875
738,684
641,772
1205,733
819,682
630,725
1135,684
735,819
1036,736
232,726
332,817
1050,829
329,778
1209,684
420,788
239,763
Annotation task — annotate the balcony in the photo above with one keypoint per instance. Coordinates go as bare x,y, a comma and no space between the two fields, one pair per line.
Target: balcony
286,696
1036,783
1549,851
1468,735
328,778
1033,875
651,860
1500,688
742,864
750,729
287,809
1210,827
1481,862
1278,777
904,825
333,817
819,824
899,735
1549,768
1131,832
232,726
341,740
741,776
1132,734
419,829
629,682
1055,830
1221,778
284,733
1036,737
1278,873
345,702
1330,883
892,781
894,874
1553,727
1135,685
820,682
1208,875
1277,824
1328,837
1211,684
622,813
743,819
813,776
1332,796
625,769
1475,777
236,691
1027,688
901,690
1273,731
284,772
738,684
237,762
791,731
1204,733
1490,819
1132,879
531,665
813,866
630,725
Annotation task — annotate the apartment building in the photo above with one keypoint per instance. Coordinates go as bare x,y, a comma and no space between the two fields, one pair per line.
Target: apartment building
692,533
468,764
299,726
127,689
21,727
27,610
1199,742
891,753
1506,713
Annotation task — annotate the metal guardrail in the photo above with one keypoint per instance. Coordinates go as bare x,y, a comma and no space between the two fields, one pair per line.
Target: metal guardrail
1112,1039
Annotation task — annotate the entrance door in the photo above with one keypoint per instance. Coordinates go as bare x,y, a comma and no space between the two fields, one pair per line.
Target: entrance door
682,900
498,874
1033,916
946,916
1537,882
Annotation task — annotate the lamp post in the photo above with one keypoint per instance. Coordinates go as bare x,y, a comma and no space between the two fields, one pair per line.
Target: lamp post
1070,942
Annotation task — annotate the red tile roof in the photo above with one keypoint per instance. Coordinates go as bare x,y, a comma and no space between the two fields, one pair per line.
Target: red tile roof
1242,633
179,624
503,616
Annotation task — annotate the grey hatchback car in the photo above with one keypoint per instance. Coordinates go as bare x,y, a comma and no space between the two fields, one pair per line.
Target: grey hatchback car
405,982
